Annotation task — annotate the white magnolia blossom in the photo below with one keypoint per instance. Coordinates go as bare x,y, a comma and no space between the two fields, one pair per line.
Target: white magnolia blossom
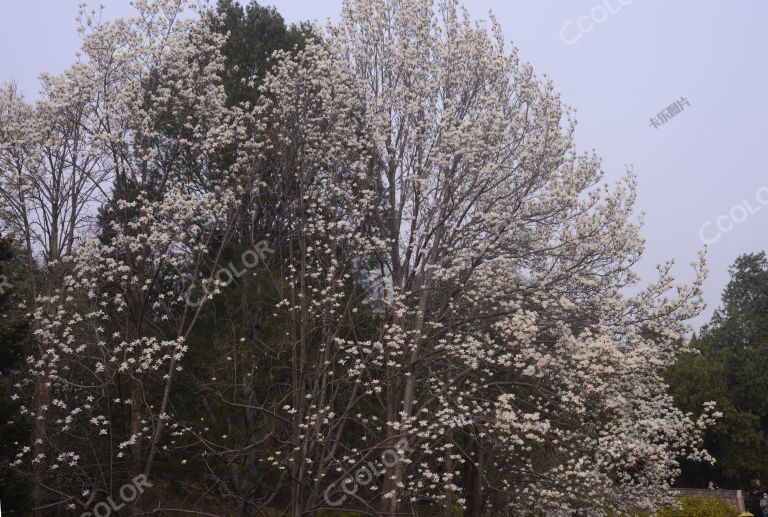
450,289
508,349
113,323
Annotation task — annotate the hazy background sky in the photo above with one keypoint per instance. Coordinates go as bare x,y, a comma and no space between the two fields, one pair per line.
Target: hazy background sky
637,58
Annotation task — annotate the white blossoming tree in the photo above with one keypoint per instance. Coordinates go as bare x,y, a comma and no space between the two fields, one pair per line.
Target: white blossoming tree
445,320
49,185
508,356
148,131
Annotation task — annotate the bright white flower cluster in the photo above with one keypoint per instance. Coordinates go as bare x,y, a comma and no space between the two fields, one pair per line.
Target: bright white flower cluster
449,272
498,261
140,127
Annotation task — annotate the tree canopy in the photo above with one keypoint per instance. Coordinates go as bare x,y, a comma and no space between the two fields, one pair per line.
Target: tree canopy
727,365
353,268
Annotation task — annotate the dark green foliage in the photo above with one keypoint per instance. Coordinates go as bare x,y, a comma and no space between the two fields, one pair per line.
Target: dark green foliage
255,32
220,482
15,485
730,366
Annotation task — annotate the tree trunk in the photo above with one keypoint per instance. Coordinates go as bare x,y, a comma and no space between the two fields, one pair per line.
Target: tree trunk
39,437
475,484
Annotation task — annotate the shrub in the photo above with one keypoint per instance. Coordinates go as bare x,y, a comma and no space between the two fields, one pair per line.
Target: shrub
695,506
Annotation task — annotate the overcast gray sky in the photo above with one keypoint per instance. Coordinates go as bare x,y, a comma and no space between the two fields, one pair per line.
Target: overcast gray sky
702,173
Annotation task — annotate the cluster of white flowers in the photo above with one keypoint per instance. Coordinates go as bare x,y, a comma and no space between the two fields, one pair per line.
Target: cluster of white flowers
451,277
506,341
147,120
